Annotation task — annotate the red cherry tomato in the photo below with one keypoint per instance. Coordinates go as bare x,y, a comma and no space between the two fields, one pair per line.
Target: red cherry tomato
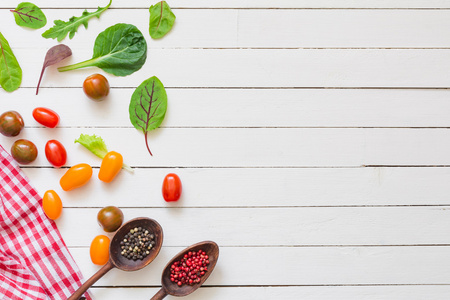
56,153
46,117
171,188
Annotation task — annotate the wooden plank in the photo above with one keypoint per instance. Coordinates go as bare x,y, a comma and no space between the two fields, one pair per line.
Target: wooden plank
254,147
249,107
298,226
262,28
311,266
251,4
242,187
414,292
261,68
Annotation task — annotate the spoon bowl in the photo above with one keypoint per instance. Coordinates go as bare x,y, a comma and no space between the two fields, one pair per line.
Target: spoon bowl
116,260
125,264
171,288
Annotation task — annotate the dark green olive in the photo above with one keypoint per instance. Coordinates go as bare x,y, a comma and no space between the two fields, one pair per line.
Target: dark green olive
11,123
24,151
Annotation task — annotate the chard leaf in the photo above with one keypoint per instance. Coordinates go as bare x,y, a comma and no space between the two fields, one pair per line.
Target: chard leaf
29,15
96,145
54,55
161,19
148,106
61,28
120,50
10,71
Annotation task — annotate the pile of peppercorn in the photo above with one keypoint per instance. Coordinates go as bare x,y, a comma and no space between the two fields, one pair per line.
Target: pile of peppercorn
137,243
190,268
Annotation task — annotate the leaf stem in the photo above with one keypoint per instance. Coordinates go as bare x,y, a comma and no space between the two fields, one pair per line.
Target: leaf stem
128,168
146,143
83,64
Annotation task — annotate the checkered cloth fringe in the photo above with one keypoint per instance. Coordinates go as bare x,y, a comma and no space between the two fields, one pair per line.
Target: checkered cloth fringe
34,261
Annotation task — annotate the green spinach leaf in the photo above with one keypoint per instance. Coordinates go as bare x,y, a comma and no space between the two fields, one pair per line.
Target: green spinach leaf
120,50
10,71
61,29
29,15
161,19
148,106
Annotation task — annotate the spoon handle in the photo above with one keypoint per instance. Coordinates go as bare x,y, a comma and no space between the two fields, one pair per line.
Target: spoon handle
161,294
78,293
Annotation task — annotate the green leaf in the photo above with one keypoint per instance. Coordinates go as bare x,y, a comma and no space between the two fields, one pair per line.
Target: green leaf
161,19
120,50
148,106
29,15
10,71
96,145
93,143
61,29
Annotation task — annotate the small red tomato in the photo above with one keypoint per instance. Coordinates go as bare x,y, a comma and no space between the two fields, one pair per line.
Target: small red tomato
52,205
171,188
96,87
99,250
56,153
46,117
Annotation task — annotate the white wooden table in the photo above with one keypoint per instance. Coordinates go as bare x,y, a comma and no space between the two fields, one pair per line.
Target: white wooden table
311,136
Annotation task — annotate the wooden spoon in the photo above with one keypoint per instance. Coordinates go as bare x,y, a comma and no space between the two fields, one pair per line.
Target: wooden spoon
170,288
116,260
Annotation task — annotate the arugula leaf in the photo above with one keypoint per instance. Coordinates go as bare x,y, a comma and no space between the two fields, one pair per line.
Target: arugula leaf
120,50
10,71
97,145
148,106
29,15
161,19
61,29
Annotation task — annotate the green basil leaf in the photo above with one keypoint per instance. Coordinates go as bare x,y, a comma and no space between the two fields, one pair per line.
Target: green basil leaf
148,106
61,28
161,19
10,71
120,50
29,15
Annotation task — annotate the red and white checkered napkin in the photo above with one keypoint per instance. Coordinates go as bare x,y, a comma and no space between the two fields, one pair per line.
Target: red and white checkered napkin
34,261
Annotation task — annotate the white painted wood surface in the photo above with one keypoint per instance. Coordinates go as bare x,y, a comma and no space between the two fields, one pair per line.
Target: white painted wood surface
311,137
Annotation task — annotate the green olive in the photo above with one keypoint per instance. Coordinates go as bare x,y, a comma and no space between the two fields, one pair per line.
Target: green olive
11,123
24,151
110,218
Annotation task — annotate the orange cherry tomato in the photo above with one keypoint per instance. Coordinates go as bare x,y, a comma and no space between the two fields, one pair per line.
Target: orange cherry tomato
171,188
110,167
75,177
99,250
52,205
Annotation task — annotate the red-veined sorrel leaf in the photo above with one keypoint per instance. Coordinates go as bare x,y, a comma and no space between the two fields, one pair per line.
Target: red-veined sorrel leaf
29,15
148,106
10,71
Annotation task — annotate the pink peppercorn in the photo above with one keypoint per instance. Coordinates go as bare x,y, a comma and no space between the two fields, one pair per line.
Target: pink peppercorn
190,268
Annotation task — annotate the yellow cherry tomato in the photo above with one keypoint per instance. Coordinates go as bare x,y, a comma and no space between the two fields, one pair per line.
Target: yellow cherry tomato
52,205
99,250
75,177
110,167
